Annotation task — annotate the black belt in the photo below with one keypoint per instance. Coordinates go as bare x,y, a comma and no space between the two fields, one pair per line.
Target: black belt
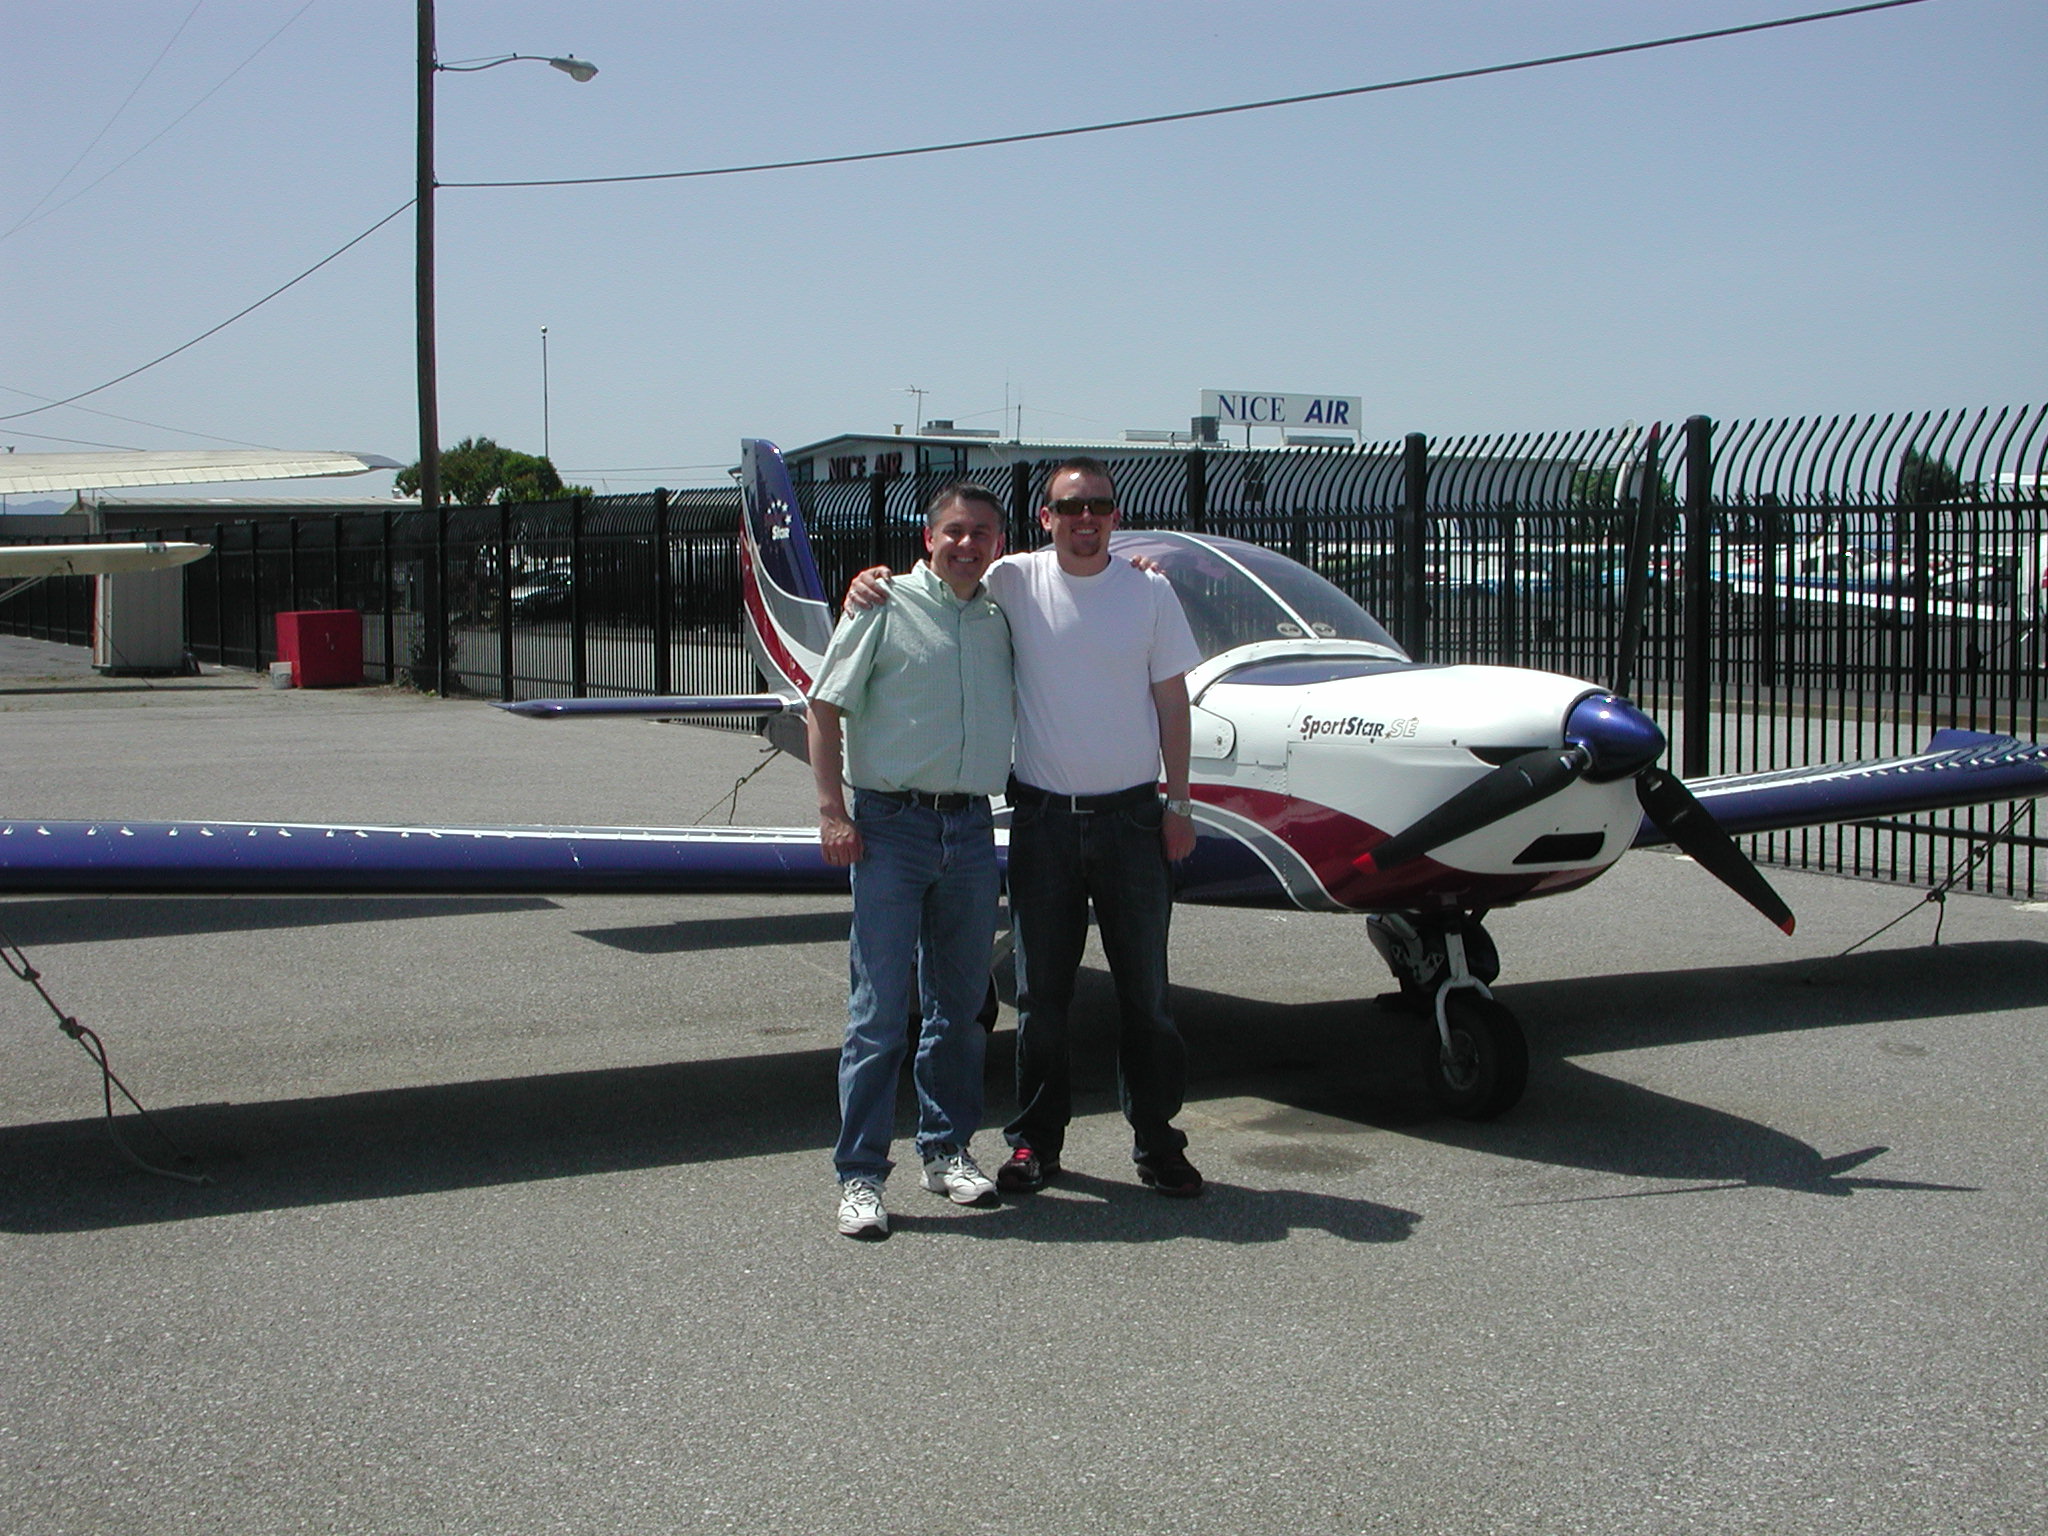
1021,793
931,802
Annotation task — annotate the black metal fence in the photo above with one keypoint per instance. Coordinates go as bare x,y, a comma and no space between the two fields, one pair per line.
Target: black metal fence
1813,589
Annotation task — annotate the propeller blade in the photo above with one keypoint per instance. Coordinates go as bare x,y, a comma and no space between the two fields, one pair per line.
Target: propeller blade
1515,785
1678,814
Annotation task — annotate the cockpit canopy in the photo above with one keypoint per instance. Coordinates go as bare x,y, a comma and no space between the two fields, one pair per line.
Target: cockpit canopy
1238,594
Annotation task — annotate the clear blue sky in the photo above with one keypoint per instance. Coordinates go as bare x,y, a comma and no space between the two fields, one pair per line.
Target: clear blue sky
1840,217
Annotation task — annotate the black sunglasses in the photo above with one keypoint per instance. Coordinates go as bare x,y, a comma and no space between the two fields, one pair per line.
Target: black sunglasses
1074,506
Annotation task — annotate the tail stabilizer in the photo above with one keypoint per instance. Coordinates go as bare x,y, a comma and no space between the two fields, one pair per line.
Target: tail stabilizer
789,619
657,707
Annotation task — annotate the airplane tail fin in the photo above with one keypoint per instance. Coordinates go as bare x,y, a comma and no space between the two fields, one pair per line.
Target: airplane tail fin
789,618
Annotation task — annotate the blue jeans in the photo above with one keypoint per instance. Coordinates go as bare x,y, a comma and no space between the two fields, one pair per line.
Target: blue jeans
924,906
1060,861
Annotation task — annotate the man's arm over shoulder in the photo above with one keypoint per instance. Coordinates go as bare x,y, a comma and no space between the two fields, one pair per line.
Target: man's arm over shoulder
869,589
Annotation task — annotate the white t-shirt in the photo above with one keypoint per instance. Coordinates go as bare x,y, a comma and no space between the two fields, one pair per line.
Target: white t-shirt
1088,650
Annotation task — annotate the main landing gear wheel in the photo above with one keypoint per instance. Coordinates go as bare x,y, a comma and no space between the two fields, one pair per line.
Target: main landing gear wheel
1486,1066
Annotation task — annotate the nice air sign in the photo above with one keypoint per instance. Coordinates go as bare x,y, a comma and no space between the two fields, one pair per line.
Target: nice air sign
1244,408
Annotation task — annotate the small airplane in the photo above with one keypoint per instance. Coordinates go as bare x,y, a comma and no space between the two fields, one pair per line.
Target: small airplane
26,564
24,473
1331,773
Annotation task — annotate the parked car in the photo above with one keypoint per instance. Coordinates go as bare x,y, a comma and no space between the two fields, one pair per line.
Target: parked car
545,596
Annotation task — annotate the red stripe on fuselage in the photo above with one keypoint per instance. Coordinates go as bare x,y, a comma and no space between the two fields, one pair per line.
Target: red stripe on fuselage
1327,841
764,626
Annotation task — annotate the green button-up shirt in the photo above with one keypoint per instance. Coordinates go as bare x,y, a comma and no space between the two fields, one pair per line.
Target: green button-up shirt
924,682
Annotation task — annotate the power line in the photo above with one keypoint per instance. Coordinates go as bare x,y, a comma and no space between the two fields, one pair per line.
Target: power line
231,319
646,469
133,421
1015,138
93,143
32,217
1183,117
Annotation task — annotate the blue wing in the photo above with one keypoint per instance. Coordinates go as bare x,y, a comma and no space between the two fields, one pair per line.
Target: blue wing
1958,768
272,858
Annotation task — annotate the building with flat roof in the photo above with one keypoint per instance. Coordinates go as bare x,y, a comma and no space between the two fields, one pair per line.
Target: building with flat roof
942,451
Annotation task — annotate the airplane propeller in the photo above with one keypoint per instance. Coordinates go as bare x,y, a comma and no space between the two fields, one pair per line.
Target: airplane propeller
1606,738
1515,785
1676,812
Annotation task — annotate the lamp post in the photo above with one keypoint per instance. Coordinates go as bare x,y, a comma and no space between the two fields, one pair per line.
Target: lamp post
436,650
546,450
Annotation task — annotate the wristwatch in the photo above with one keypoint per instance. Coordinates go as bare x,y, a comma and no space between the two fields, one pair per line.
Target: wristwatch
1182,807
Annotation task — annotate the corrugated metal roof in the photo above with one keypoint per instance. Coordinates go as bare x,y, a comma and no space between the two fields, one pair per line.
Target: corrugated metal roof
21,473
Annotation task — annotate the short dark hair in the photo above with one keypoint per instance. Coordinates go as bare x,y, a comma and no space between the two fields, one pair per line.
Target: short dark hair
962,490
1079,464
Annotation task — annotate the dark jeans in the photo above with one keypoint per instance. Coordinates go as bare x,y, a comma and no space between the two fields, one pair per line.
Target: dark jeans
1060,861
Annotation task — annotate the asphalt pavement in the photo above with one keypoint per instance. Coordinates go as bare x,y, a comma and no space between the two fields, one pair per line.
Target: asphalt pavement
521,1210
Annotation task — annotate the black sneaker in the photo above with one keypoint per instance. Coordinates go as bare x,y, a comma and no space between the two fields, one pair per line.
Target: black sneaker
1171,1174
1025,1172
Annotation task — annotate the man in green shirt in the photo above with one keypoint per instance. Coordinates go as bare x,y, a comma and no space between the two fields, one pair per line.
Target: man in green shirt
913,707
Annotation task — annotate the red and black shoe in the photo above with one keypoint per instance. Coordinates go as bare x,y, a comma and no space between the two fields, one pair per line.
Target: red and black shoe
1026,1172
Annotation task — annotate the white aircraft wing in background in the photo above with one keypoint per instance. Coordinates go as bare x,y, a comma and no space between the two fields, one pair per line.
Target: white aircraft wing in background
22,473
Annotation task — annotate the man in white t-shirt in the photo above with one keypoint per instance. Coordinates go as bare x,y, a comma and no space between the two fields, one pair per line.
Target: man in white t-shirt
1102,652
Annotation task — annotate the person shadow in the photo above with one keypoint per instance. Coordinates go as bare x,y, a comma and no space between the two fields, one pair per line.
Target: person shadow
1081,1207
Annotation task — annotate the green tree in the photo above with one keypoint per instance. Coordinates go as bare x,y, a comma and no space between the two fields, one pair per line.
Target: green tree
476,472
1594,490
1925,478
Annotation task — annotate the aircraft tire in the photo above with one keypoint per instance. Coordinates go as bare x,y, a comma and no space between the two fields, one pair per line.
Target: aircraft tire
1489,1064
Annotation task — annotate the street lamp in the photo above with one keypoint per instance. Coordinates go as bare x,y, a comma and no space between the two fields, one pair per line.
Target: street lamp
423,307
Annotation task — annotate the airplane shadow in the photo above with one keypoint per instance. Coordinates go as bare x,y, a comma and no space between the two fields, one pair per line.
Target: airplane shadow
1346,1060
1595,1122
697,933
47,922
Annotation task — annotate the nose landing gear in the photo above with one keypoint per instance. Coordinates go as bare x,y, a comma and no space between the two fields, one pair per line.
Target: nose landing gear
1476,1058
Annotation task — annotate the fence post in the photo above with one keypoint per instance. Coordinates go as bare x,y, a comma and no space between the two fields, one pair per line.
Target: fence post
1920,592
1696,672
664,598
220,595
1415,562
437,603
388,580
878,518
1198,490
579,673
505,601
1020,504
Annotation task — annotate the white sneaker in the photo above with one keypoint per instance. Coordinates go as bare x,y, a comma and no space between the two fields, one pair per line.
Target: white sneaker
860,1210
954,1175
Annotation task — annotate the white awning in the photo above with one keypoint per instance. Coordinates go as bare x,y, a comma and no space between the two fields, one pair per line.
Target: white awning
25,472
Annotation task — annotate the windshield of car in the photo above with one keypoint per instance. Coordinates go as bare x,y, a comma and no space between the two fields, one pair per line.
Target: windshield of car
1236,593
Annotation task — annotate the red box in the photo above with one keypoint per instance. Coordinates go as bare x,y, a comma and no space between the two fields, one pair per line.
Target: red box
324,646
